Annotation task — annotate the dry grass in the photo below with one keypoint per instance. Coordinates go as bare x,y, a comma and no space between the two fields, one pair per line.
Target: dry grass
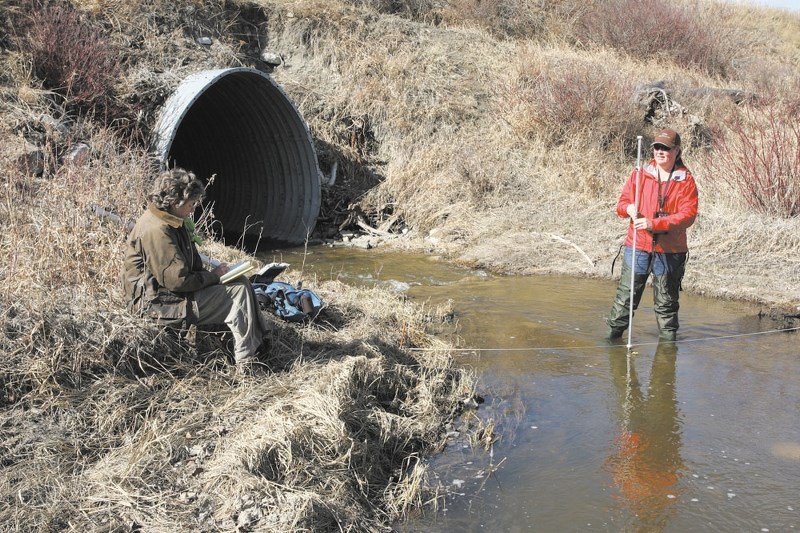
511,18
692,35
558,98
111,422
487,144
495,136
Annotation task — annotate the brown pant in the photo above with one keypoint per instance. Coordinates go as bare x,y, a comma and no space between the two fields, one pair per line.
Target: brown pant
235,305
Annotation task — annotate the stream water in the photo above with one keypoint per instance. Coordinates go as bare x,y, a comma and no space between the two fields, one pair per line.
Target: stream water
700,435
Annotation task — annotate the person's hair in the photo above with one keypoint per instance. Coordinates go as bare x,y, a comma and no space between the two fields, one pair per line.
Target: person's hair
175,187
679,158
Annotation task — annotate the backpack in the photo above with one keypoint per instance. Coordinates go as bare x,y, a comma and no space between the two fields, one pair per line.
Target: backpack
283,299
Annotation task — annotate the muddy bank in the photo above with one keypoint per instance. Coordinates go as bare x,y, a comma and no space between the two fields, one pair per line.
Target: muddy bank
739,275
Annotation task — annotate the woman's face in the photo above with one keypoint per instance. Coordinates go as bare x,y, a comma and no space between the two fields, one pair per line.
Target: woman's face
665,157
185,209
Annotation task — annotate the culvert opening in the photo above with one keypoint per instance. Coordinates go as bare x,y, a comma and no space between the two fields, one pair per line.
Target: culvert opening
238,127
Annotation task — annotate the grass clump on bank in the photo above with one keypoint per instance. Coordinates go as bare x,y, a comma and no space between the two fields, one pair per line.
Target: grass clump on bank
112,422
496,134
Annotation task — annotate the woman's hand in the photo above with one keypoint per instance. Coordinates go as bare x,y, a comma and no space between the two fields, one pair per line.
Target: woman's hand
643,223
221,269
639,223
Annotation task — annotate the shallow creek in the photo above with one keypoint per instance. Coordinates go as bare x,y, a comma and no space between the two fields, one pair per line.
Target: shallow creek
702,435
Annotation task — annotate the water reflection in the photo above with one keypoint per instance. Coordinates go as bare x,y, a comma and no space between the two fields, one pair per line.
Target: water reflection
701,435
645,461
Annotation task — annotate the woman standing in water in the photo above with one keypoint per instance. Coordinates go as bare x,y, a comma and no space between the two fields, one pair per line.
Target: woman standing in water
667,207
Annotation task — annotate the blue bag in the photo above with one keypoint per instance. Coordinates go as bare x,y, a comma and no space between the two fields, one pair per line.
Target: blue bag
284,300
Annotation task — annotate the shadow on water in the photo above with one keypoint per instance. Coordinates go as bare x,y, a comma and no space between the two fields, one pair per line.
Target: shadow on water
700,435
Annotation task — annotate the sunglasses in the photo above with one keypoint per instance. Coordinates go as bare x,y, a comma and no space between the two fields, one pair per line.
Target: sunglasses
661,148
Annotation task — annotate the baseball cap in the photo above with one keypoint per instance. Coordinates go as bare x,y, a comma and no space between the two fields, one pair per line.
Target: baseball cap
668,137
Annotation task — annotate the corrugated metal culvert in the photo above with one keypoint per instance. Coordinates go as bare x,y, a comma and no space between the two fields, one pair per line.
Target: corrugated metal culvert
239,126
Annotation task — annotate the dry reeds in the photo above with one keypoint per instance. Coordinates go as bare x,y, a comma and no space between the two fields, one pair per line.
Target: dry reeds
111,421
489,131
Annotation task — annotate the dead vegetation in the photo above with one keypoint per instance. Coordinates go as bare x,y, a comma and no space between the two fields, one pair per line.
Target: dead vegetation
480,144
111,422
495,133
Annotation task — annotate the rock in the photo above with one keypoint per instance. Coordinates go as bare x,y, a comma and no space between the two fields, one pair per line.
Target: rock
469,403
27,158
271,58
53,126
205,41
78,155
198,451
248,518
435,235
364,242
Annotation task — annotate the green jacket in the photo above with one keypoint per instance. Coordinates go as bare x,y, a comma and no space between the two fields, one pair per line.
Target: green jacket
162,268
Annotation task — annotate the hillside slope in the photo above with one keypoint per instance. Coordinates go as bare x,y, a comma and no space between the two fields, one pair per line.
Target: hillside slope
477,126
491,133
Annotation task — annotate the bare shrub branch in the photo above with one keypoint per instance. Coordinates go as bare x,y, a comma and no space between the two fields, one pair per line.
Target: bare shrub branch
652,28
558,97
758,157
71,55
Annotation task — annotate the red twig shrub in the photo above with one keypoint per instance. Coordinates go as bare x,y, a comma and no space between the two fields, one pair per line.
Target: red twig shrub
647,28
71,55
759,158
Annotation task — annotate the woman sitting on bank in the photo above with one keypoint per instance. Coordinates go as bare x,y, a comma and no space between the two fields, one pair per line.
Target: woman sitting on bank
164,276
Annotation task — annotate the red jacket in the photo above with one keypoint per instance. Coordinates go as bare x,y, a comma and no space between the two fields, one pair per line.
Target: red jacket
679,203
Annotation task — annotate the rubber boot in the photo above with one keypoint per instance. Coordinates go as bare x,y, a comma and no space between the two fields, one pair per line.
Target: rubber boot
619,315
665,304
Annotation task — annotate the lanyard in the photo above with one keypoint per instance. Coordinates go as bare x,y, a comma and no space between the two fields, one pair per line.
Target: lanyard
662,199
